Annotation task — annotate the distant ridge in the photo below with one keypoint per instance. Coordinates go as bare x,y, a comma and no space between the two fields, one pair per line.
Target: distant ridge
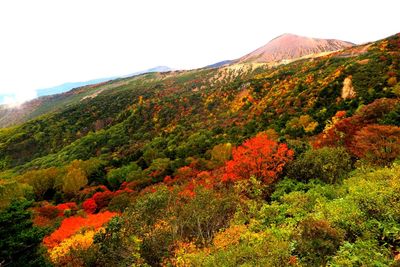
71,85
219,64
291,46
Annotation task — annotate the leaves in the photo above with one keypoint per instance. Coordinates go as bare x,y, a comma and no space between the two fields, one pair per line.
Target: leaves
259,157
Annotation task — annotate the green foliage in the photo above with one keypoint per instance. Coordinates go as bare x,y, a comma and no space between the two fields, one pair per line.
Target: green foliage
361,253
20,240
316,240
327,164
42,181
140,129
74,180
11,190
130,172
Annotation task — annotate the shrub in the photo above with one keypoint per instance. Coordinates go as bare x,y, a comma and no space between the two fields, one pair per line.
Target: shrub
89,206
378,144
72,225
259,157
362,253
316,240
328,164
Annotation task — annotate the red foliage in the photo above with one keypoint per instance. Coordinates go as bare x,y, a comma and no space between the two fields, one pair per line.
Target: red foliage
259,157
66,206
167,179
89,205
90,191
121,191
203,179
48,211
102,198
41,221
340,114
377,109
342,132
380,144
71,225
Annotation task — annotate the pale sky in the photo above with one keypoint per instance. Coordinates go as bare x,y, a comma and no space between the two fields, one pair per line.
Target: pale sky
44,43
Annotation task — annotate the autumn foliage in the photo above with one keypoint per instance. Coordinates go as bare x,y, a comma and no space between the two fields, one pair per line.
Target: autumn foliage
260,157
89,205
377,143
72,225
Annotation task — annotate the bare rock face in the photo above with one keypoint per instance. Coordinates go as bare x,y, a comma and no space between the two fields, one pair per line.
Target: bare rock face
348,91
291,46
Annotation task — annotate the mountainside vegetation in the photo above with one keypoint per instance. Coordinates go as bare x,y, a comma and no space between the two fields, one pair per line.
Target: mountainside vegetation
241,165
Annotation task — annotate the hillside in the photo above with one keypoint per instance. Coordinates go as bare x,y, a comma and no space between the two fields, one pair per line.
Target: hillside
291,46
58,97
245,164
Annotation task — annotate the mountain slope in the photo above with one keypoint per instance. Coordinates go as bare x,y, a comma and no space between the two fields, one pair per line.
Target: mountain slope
291,46
277,165
71,85
232,103
58,97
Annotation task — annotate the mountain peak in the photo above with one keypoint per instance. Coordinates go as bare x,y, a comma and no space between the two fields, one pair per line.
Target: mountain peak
291,46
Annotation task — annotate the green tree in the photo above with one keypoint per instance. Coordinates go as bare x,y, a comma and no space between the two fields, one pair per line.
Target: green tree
327,164
74,179
20,240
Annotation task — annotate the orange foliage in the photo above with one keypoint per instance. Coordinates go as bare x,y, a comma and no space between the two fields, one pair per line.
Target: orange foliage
379,144
72,225
66,206
342,130
260,157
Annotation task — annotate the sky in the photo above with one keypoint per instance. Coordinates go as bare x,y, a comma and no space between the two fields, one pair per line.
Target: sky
44,43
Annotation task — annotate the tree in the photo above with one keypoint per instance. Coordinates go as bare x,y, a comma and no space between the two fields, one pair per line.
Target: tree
378,144
259,157
328,164
75,178
42,181
316,240
20,240
221,153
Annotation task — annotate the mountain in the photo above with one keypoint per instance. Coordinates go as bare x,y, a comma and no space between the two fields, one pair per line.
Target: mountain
241,165
59,97
219,64
68,86
291,46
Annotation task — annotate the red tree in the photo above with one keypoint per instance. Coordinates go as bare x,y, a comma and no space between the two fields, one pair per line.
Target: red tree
260,157
379,144
72,225
89,205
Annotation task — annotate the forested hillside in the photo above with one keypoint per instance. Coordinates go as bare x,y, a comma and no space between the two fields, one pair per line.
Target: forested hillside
247,164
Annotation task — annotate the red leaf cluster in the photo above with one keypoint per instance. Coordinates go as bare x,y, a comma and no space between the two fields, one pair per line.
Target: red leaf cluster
260,157
379,144
89,205
101,200
71,225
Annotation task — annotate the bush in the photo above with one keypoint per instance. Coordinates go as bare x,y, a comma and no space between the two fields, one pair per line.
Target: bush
316,240
362,253
378,144
328,164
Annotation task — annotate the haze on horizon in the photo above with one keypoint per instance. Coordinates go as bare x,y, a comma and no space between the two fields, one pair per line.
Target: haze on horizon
45,43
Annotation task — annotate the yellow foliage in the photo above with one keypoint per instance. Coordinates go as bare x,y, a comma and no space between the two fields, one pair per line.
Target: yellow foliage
392,81
59,254
305,122
221,152
271,133
184,248
75,178
231,236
